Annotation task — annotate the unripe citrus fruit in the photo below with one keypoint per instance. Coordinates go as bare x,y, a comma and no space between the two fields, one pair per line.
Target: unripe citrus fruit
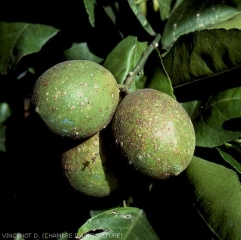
154,132
88,167
76,98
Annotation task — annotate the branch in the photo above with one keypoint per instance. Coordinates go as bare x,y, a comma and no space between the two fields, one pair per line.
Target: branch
140,65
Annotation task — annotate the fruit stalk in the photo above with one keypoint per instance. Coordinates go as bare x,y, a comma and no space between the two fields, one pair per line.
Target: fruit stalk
140,65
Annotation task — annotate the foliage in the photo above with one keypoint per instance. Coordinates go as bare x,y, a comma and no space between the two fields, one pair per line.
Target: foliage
189,49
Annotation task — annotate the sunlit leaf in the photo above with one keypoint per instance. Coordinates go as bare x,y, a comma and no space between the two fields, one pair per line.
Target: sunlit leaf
191,15
20,39
234,22
90,9
203,54
123,58
219,120
217,197
81,51
143,7
125,223
141,17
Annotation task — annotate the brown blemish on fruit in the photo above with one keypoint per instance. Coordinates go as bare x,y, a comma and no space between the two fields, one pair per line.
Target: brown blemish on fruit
149,121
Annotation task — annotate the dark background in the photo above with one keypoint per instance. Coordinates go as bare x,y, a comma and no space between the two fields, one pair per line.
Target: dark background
35,197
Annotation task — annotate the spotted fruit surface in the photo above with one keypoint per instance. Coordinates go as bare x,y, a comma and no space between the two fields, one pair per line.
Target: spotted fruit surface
88,167
154,132
76,98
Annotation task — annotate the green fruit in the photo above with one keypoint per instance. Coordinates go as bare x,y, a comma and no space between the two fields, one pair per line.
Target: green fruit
154,132
76,98
88,167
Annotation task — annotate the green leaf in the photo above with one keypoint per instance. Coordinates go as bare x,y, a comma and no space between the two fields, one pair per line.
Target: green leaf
90,9
123,58
191,107
141,17
165,8
160,80
124,223
111,10
217,197
191,15
218,121
81,51
2,138
177,3
5,112
20,39
230,159
234,22
203,54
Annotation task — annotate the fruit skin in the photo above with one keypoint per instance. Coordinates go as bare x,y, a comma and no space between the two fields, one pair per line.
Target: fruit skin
154,132
76,98
88,167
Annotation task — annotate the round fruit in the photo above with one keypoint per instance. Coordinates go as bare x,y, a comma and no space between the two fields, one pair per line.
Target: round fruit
76,98
88,167
154,132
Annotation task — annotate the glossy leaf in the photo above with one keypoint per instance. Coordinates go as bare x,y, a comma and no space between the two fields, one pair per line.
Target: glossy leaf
230,159
141,17
125,223
234,22
217,197
191,15
203,54
90,9
81,51
123,58
164,8
20,39
219,120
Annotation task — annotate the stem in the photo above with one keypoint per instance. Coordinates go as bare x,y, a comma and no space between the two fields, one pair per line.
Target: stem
121,86
140,65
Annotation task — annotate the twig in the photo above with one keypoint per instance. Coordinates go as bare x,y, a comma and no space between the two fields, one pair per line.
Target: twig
140,65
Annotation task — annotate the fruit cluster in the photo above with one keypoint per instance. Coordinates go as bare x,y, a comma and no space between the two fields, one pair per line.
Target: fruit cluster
80,99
